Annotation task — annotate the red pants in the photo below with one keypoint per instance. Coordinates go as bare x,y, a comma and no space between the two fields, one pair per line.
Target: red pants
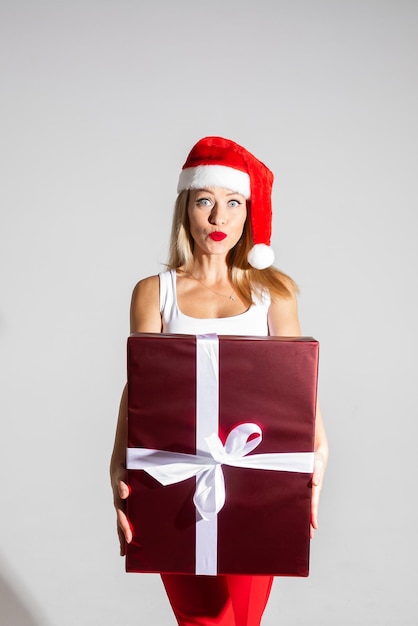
217,600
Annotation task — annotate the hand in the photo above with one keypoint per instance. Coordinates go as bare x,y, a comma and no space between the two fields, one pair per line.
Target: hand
317,478
120,493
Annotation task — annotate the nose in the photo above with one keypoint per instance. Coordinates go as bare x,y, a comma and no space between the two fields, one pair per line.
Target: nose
217,215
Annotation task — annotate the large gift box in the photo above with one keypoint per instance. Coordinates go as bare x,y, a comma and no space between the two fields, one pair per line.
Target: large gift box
220,453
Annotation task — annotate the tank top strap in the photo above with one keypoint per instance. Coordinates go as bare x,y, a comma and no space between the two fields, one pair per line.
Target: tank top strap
167,290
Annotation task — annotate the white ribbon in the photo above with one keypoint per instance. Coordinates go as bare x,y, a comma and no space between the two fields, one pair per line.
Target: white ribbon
209,498
206,465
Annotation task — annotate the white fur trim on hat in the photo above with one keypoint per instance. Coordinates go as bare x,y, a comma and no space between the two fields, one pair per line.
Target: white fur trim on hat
204,176
260,256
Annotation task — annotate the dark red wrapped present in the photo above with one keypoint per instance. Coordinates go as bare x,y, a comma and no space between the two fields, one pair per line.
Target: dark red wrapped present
220,453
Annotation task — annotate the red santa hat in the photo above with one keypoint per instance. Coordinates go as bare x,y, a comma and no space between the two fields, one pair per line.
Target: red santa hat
219,162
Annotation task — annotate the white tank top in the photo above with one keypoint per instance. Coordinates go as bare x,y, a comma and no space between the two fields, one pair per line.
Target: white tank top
251,322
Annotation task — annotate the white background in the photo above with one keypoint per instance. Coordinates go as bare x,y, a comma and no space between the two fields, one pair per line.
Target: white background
100,103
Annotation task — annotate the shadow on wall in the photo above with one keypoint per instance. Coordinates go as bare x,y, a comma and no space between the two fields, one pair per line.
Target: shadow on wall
16,607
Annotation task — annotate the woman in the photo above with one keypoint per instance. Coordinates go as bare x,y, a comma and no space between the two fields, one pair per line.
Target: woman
219,279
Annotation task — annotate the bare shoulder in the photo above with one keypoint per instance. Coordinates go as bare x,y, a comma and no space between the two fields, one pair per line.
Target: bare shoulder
147,287
283,316
145,306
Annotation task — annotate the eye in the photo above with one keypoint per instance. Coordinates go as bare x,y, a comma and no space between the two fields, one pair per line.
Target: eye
205,202
234,203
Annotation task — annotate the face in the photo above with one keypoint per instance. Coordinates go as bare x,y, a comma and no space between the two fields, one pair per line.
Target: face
217,217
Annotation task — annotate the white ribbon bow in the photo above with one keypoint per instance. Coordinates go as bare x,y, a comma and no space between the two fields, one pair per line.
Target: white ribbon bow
173,467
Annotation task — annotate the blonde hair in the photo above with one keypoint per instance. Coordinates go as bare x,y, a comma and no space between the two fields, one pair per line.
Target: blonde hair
245,279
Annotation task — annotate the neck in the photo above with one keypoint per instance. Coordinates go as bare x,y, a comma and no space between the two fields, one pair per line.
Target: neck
211,269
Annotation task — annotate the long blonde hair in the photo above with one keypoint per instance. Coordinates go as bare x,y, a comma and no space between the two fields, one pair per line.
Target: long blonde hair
245,279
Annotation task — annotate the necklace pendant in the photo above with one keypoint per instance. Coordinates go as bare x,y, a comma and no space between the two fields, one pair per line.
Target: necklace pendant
231,297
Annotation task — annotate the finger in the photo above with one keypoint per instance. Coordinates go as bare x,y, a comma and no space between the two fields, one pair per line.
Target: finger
316,490
123,490
312,532
124,526
314,515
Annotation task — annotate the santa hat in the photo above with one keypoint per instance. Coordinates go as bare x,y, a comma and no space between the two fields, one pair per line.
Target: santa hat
219,162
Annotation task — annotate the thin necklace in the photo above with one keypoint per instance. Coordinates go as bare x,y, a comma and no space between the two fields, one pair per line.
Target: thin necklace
230,297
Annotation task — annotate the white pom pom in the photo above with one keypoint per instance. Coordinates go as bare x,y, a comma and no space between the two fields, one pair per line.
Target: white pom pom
260,256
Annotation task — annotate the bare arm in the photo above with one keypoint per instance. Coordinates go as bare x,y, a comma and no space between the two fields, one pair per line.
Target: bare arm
144,317
284,322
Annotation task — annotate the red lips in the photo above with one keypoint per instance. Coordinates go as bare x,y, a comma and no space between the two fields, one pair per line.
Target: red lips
217,235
